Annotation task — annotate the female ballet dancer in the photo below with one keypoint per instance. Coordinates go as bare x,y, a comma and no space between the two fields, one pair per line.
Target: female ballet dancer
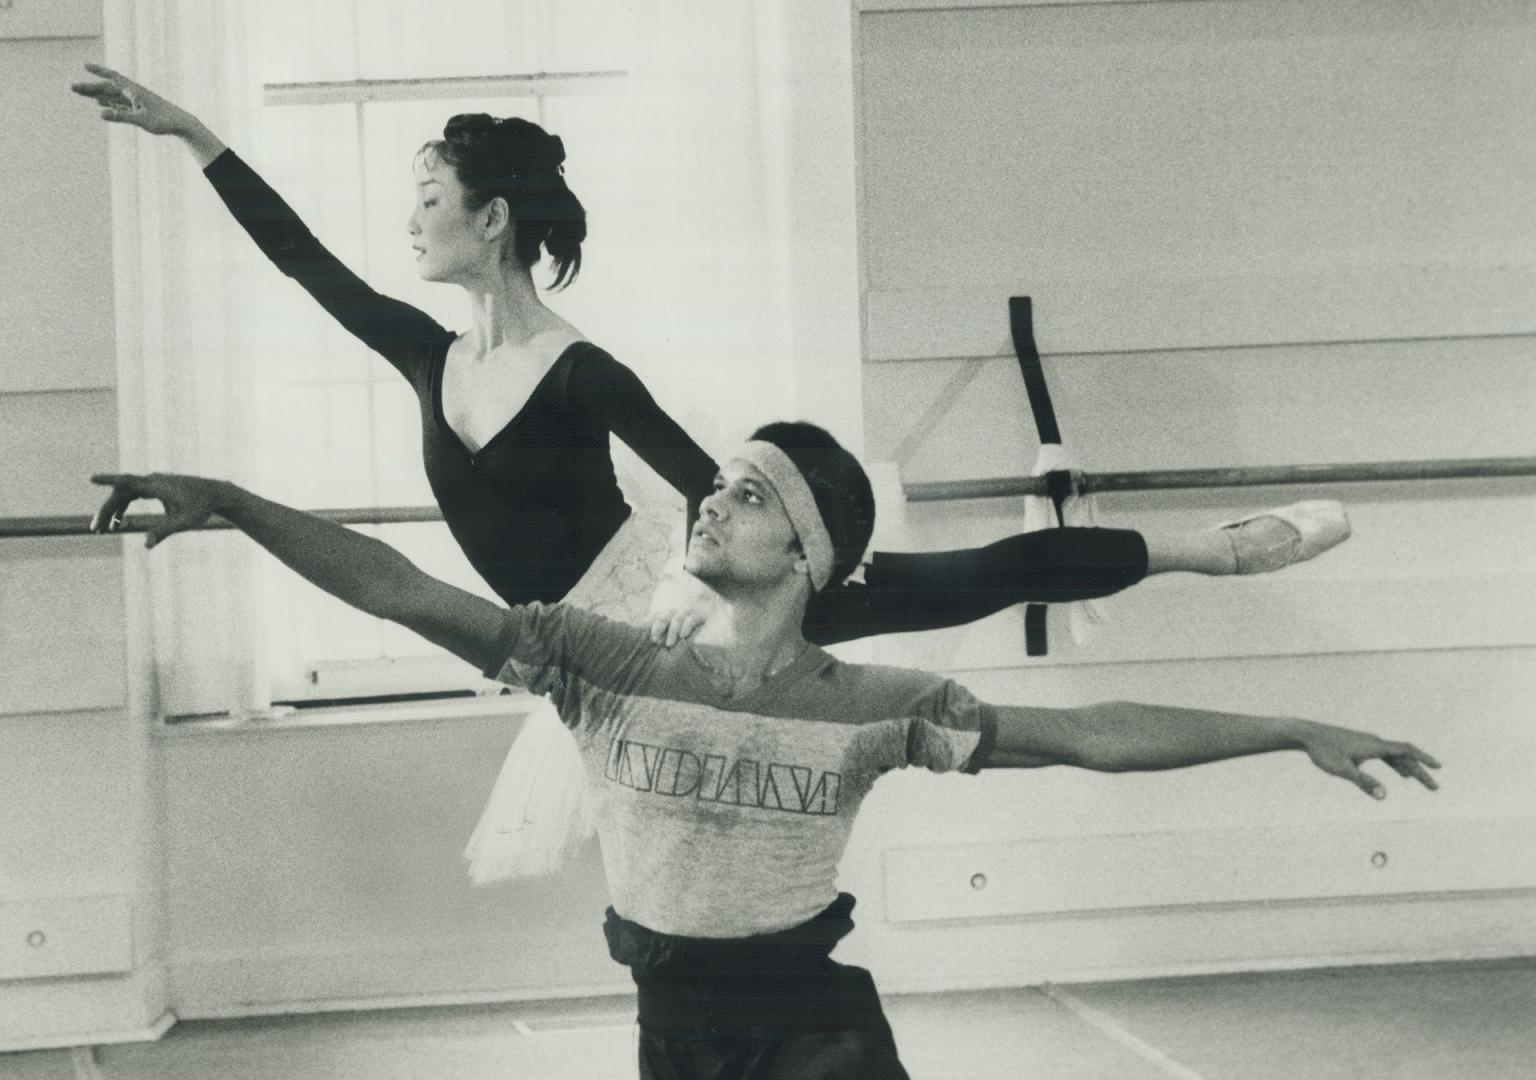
517,410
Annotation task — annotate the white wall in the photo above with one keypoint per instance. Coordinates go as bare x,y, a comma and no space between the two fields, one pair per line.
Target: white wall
319,866
810,123
78,923
1278,233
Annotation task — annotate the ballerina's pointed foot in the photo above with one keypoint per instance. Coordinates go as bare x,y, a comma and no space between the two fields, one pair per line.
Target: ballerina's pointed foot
1275,539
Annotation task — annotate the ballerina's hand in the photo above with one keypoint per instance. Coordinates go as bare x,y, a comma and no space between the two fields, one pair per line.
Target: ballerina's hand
679,624
189,501
124,101
679,607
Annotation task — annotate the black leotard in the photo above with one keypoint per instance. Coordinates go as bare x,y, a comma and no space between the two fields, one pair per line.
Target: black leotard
534,506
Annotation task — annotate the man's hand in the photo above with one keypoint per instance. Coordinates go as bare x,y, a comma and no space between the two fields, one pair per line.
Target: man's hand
189,501
1341,751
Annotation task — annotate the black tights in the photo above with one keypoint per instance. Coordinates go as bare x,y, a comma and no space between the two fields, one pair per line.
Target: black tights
930,590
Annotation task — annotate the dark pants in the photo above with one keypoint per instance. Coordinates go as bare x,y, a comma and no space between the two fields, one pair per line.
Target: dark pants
768,1007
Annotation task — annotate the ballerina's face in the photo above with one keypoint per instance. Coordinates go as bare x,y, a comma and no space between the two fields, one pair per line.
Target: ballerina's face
448,239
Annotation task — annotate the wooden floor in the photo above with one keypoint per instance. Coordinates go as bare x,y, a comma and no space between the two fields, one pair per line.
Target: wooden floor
1419,1022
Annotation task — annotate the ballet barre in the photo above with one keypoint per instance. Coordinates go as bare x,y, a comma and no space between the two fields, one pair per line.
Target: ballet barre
940,491
1252,476
136,523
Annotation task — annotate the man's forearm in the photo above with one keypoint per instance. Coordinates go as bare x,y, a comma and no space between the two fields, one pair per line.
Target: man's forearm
1122,736
354,568
1133,737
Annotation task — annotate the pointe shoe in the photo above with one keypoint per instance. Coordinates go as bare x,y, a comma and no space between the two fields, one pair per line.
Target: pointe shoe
1314,526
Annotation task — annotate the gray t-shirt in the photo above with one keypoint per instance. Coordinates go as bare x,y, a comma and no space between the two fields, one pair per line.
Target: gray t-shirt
725,815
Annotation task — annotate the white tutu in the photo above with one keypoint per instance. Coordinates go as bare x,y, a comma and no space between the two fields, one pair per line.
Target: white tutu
540,811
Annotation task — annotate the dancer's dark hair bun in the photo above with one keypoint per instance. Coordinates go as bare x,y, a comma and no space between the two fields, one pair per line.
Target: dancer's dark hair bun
838,483
517,160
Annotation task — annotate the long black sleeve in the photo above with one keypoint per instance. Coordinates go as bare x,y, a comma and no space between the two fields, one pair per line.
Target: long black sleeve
397,331
614,397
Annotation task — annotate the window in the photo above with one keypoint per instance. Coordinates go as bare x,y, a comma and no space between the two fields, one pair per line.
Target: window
350,91
673,119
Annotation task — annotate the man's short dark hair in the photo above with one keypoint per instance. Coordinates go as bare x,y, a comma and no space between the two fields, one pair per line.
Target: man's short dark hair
838,483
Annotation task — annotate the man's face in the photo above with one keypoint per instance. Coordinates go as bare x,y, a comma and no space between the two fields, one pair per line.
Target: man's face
743,535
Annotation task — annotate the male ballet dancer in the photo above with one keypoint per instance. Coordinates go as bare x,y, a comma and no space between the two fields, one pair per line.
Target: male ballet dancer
728,769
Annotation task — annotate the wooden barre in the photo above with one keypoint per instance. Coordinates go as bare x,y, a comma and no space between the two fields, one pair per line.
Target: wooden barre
941,491
137,523
1255,476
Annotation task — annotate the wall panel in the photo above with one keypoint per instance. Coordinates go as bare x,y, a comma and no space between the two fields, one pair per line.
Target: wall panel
62,644
52,441
56,304
1172,175
66,794
315,865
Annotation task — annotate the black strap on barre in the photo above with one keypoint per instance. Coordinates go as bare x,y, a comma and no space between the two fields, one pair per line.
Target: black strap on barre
1058,481
1021,320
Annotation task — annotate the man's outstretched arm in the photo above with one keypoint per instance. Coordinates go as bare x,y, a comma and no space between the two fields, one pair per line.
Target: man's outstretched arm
356,569
1122,736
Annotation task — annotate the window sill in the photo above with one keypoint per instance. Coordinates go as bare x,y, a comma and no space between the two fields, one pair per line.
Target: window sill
506,706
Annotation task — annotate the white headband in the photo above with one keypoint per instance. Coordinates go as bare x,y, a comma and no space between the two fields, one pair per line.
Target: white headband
798,502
